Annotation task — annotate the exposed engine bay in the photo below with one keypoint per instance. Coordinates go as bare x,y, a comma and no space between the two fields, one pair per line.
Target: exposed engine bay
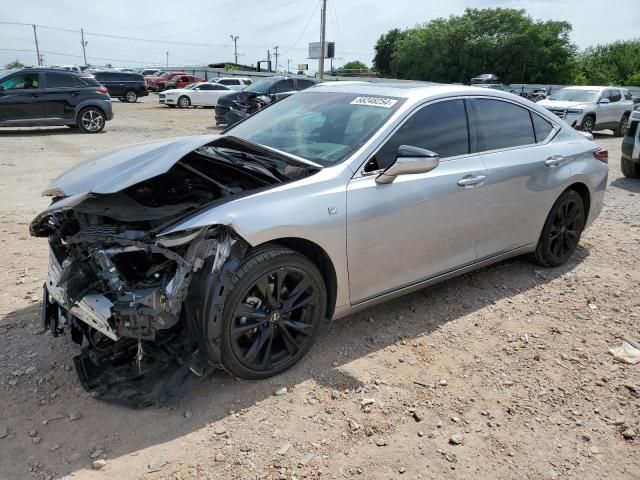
131,295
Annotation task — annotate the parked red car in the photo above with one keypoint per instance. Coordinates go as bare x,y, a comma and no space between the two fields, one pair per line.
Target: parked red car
181,81
158,83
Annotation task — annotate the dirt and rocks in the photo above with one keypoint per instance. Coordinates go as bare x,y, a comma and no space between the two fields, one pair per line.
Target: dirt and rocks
502,373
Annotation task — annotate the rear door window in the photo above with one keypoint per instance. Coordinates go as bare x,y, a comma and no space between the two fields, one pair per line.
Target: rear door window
504,124
440,127
230,82
615,95
59,80
302,84
283,86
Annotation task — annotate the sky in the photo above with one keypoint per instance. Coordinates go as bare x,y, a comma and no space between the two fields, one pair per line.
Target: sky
198,32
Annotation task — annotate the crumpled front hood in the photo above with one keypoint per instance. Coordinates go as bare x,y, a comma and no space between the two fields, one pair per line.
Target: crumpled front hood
115,170
560,104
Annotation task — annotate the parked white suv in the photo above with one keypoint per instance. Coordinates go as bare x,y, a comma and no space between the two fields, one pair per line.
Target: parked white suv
592,108
234,83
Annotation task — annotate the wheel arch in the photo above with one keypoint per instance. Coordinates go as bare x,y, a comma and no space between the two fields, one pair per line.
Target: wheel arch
81,107
320,259
582,190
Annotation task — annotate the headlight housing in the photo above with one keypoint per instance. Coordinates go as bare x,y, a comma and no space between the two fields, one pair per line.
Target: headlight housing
574,111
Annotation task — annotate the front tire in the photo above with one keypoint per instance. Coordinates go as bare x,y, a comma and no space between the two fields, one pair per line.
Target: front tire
588,124
630,169
561,232
91,120
272,313
184,102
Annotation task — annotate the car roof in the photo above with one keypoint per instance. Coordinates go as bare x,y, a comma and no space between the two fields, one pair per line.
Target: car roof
587,87
408,89
48,70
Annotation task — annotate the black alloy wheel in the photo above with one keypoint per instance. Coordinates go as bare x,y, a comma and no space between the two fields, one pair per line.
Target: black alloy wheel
588,124
562,230
273,314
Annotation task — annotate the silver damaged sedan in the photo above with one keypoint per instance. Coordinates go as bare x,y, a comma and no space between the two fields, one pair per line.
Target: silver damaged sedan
172,258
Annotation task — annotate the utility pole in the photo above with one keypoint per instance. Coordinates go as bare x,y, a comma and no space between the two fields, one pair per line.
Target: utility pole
35,35
235,44
288,62
167,58
84,44
323,25
275,54
269,60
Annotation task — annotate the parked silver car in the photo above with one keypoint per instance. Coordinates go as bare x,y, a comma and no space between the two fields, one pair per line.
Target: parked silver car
230,250
592,108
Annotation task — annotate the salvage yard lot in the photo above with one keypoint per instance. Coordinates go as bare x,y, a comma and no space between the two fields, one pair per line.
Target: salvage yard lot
502,373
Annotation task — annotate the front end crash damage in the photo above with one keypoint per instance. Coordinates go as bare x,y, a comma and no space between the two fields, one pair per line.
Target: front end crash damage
143,304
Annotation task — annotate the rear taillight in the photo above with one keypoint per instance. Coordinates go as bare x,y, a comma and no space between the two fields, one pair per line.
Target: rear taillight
602,155
102,89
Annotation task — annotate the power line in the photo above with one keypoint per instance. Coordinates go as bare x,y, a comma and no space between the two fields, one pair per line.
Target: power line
304,29
236,19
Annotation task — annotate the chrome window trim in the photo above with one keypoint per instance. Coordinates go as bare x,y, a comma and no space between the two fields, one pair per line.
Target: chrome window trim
409,114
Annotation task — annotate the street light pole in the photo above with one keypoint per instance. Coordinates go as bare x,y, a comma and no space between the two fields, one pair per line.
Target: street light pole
35,35
84,44
235,46
167,58
275,54
323,25
288,62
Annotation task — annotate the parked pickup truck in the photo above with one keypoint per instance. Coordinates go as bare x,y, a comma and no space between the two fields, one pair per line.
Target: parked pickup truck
159,83
592,108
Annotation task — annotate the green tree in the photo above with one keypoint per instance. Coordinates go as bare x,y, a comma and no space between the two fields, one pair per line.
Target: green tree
14,64
385,47
355,65
503,41
616,63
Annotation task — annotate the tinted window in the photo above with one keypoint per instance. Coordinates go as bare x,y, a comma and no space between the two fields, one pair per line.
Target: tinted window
59,80
441,128
133,77
229,82
614,95
215,86
205,86
504,124
302,84
541,127
248,82
26,80
283,86
627,95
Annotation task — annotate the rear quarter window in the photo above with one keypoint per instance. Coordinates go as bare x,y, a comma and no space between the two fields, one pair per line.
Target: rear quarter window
542,128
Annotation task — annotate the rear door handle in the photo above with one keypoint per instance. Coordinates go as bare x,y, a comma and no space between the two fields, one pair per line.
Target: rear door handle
471,180
554,160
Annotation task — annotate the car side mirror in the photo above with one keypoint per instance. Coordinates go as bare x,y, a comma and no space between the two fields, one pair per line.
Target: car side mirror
409,160
603,100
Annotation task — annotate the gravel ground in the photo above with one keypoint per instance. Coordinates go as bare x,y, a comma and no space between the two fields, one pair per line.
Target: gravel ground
502,373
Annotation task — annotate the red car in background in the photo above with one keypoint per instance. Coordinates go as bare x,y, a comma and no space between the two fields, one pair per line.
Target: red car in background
159,82
181,81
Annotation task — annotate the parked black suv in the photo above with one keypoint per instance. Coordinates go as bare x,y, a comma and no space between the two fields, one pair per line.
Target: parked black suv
33,97
276,88
126,87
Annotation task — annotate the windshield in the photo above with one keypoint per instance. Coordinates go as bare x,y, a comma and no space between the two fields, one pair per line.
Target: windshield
319,126
261,86
574,95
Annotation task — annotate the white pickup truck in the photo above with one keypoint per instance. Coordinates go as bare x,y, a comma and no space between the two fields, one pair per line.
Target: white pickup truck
592,108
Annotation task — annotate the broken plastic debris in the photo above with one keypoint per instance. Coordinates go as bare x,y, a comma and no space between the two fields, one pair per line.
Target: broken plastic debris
628,352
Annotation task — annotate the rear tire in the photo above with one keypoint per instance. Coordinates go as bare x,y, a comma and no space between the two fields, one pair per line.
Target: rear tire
561,232
282,333
91,120
630,169
131,96
184,102
622,127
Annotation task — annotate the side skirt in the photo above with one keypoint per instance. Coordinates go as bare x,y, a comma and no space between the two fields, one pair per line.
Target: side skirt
356,307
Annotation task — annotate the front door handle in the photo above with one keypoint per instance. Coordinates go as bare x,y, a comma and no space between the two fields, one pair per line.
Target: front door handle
554,160
471,180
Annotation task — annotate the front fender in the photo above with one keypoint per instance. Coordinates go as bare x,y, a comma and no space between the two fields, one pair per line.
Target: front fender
313,210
